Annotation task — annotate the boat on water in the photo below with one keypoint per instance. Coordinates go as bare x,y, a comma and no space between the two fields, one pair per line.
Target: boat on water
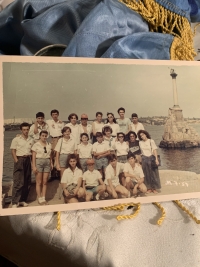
14,124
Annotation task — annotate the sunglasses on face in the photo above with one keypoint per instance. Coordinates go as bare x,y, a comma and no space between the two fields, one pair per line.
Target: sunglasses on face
45,149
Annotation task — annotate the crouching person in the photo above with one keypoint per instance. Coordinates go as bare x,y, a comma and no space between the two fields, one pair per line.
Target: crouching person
134,176
71,180
113,171
92,182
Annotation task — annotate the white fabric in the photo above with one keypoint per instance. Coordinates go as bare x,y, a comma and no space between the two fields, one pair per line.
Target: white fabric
39,149
136,127
70,177
88,129
110,174
121,148
55,128
92,178
137,170
84,151
66,146
115,128
40,128
22,146
98,126
147,147
75,131
124,125
111,142
100,147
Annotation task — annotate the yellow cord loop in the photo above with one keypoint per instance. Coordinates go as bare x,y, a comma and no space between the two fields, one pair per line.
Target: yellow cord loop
161,219
163,20
186,210
58,221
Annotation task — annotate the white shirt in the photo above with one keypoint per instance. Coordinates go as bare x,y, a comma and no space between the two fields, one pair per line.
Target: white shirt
22,145
137,170
85,151
75,132
121,148
147,147
70,177
115,128
40,151
66,146
92,178
111,142
110,174
137,127
40,128
55,128
98,126
124,125
88,129
100,147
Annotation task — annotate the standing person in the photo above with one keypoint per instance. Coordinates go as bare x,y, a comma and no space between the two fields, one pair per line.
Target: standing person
74,127
134,148
111,121
107,136
134,176
135,125
149,151
97,125
113,171
85,127
21,153
72,179
65,146
121,148
38,126
92,182
101,150
84,151
124,123
41,165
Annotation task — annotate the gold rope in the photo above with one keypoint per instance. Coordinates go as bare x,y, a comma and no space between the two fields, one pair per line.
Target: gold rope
161,219
58,221
195,28
186,210
163,20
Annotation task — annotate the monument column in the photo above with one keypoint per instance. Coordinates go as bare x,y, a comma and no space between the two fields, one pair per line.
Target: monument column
175,94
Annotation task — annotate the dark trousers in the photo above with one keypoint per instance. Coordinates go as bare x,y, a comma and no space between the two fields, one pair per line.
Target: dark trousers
21,180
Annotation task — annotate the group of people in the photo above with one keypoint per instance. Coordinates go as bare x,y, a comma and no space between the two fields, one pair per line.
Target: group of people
99,160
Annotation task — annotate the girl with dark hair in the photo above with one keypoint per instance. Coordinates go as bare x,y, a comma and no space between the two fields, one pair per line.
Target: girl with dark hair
72,179
41,165
149,152
65,146
121,148
111,121
134,148
75,129
84,151
97,125
107,136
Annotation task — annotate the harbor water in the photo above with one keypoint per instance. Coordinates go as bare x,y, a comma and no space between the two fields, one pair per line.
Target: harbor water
174,159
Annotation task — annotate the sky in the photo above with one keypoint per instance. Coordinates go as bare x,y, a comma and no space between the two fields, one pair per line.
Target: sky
86,88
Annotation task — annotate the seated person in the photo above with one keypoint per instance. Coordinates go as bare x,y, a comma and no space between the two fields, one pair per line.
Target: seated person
113,171
134,176
72,179
92,182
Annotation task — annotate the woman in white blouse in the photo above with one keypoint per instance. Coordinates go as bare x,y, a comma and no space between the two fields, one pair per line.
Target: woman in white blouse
65,146
111,121
149,151
121,147
72,179
97,125
41,165
107,136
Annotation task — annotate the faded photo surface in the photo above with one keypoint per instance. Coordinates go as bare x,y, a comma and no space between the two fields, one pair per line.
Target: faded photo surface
96,133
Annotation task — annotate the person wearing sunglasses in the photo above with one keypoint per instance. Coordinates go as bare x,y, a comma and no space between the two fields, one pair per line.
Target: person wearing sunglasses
41,165
85,127
111,121
121,148
84,151
92,182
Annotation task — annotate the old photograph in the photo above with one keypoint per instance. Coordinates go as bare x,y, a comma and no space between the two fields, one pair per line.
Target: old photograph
81,133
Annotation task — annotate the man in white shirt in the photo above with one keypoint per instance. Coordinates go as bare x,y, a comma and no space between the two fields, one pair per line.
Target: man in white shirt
85,127
134,176
21,153
124,123
135,125
75,128
38,126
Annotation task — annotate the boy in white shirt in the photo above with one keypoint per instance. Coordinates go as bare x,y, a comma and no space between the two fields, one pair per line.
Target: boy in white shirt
134,176
38,126
101,150
92,182
124,123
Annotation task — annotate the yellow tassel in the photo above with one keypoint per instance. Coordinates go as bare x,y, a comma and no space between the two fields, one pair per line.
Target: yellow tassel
186,210
161,219
58,221
163,20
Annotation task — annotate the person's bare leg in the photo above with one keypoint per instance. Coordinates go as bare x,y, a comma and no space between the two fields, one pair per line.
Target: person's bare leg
38,179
